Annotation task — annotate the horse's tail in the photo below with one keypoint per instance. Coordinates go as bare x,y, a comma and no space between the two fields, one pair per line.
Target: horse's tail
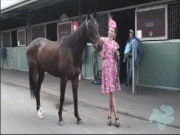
31,54
32,63
32,81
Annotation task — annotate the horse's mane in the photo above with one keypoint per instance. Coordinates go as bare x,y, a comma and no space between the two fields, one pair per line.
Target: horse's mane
73,39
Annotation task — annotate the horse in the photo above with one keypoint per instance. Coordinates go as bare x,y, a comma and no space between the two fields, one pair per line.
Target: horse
63,59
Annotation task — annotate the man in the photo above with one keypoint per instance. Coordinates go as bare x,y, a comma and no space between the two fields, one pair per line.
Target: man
128,54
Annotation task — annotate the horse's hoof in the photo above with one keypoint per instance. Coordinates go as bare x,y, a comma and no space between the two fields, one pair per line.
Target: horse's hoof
80,122
40,109
40,114
61,123
40,117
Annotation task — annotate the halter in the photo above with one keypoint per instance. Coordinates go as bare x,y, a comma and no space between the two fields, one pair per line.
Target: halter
88,34
88,31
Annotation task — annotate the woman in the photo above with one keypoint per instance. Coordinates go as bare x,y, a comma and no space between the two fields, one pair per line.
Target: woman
110,79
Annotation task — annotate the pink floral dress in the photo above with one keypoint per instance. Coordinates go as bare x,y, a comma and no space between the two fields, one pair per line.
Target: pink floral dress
110,79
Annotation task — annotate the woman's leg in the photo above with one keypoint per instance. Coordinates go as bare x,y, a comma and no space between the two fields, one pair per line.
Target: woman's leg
114,110
110,109
114,104
111,102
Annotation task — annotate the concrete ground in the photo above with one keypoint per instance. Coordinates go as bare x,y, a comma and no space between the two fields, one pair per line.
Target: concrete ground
134,110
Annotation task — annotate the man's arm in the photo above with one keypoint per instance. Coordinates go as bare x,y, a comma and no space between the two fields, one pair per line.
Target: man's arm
125,57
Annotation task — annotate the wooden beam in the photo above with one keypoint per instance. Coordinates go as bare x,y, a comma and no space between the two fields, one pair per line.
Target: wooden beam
43,3
0,35
29,33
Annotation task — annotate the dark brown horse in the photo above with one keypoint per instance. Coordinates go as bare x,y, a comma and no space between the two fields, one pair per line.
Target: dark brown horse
62,59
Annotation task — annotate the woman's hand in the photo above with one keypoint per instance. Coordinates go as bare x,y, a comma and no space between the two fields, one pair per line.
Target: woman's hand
102,40
100,44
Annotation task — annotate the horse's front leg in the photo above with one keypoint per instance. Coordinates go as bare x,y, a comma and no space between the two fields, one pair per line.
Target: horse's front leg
63,88
75,96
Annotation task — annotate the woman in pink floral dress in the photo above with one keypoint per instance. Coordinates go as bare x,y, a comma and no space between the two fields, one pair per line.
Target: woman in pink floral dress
110,78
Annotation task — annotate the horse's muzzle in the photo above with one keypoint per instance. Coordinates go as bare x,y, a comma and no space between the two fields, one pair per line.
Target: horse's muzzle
97,41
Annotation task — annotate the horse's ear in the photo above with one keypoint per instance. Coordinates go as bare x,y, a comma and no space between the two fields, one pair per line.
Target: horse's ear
89,12
95,13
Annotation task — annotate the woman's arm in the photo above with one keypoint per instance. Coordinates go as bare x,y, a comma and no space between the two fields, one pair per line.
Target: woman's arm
117,49
103,54
102,40
100,44
118,55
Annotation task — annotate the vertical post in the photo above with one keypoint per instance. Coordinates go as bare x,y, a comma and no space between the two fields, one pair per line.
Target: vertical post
80,20
133,70
45,30
80,16
29,33
10,60
1,45
1,36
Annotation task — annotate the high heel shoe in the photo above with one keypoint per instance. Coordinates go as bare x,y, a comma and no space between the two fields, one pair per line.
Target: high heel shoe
109,123
117,123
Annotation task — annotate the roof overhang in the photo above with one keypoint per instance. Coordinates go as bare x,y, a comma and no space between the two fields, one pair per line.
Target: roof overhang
16,9
18,5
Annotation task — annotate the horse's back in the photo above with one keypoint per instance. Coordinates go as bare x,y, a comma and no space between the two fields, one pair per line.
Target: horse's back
33,48
37,43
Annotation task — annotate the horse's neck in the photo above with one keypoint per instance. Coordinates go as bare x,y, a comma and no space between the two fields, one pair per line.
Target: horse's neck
78,41
79,37
79,48
81,44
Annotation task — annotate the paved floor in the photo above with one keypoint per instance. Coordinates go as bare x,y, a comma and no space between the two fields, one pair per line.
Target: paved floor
131,107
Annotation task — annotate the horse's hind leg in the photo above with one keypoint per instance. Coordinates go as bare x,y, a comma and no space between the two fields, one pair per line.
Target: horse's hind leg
63,88
40,80
75,96
33,78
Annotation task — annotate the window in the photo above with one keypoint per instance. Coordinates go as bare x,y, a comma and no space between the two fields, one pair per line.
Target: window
6,39
151,23
63,29
21,37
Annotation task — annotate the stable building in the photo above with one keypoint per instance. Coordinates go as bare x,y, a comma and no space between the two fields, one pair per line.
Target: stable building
155,22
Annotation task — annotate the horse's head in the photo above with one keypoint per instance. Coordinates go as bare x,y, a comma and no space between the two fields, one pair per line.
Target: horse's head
92,28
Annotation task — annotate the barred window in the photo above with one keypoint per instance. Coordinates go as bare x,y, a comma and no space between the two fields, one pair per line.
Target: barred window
174,20
103,24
